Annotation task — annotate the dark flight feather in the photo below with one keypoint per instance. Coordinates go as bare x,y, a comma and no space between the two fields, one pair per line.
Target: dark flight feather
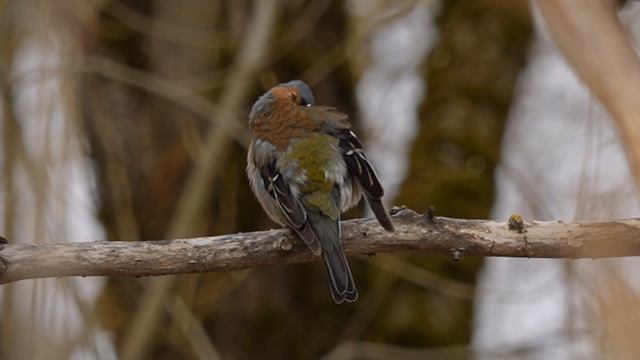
362,170
294,213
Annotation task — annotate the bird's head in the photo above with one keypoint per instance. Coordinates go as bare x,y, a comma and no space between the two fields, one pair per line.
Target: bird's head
283,96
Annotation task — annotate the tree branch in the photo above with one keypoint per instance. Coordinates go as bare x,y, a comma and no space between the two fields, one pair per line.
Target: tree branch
538,239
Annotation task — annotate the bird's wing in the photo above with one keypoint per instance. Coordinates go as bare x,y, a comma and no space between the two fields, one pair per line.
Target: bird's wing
361,169
293,211
358,164
336,123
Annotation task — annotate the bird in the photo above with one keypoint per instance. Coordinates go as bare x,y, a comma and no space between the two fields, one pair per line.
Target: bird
306,167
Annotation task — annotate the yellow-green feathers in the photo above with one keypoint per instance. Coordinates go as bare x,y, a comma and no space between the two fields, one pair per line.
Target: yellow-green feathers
313,157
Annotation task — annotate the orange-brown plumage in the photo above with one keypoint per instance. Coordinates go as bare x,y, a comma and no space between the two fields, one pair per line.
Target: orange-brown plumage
285,120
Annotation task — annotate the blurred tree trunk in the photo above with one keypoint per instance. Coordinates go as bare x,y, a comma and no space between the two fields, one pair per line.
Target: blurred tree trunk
471,75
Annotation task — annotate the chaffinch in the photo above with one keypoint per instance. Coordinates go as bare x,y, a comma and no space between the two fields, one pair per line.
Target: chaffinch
306,167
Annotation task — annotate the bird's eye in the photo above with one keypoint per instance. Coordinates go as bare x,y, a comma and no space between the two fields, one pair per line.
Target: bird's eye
299,99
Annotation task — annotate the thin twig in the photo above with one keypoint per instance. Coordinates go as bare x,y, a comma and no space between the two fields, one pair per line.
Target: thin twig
156,28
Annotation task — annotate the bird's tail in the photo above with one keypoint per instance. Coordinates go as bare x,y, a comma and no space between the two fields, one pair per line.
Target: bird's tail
343,288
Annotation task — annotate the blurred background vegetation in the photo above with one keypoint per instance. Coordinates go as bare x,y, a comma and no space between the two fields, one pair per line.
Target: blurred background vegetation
148,99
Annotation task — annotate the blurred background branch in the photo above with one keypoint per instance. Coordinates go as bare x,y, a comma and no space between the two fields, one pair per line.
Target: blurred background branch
605,60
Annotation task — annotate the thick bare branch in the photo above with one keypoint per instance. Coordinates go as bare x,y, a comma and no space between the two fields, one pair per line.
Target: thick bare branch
540,239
